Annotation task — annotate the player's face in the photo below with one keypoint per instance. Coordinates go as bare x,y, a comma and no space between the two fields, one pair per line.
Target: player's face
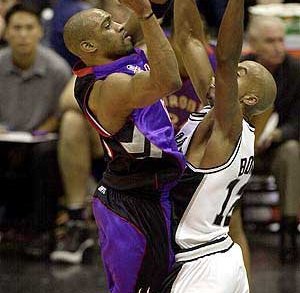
112,38
269,45
23,32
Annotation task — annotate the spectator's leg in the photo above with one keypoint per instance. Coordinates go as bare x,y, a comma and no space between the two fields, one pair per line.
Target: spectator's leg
286,168
75,152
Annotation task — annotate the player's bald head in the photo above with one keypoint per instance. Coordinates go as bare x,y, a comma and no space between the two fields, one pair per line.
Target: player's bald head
259,83
81,27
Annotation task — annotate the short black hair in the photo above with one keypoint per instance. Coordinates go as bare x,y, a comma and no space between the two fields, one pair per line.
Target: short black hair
20,7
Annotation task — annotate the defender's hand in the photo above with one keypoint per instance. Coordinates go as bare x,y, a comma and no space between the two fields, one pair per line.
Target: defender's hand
142,8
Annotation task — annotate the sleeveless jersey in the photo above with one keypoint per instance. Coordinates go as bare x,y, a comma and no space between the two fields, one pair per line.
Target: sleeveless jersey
143,154
204,198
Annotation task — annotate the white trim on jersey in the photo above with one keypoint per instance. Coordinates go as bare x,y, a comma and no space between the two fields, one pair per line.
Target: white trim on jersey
229,161
220,244
186,133
221,167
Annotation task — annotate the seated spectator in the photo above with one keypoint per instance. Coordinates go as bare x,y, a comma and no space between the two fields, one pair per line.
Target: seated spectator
31,80
279,152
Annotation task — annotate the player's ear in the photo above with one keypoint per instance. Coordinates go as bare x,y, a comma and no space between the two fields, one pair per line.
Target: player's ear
249,100
88,46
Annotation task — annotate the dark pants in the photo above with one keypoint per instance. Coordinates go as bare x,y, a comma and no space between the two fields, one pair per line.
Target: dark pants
30,184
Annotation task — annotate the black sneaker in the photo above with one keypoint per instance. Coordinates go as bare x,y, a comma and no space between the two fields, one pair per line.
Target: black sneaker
40,246
73,243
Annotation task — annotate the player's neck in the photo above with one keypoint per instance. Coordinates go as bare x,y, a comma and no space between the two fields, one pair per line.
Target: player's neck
99,60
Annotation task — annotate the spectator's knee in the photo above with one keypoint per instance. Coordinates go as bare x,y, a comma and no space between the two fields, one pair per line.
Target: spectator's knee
291,149
73,126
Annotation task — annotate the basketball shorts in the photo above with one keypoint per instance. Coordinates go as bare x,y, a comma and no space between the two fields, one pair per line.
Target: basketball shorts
222,272
134,239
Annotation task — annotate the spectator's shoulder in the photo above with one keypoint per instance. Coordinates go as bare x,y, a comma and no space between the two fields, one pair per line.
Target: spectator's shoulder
292,61
4,53
54,61
5,60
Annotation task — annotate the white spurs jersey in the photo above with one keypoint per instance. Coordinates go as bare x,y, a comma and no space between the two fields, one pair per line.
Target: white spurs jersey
204,198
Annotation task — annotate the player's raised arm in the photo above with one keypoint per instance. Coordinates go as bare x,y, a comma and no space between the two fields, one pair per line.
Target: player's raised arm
228,112
164,75
191,41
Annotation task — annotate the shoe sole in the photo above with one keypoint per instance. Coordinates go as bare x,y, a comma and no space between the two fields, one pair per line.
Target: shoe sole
72,257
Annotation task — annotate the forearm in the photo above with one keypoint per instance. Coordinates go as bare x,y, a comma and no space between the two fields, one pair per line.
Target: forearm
162,60
187,22
230,38
49,125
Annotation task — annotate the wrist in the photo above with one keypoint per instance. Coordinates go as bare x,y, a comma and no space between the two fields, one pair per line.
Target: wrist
146,15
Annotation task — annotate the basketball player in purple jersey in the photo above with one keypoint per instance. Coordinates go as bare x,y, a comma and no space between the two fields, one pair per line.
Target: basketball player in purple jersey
119,92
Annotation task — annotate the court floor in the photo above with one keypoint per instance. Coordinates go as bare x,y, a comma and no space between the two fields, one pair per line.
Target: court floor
21,275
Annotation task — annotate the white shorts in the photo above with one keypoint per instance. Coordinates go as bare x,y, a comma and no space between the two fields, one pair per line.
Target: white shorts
218,273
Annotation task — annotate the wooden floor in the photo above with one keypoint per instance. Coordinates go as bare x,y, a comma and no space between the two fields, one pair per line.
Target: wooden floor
21,275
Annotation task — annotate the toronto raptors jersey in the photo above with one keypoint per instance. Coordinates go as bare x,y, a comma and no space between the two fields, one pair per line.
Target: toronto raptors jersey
143,154
204,198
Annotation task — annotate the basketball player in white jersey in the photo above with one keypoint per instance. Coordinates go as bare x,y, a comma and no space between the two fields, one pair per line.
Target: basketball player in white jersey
219,153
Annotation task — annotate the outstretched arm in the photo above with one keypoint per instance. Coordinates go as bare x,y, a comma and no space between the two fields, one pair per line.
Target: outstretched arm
191,41
228,114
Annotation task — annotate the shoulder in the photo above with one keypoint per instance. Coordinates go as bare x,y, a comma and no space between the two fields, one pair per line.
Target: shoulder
292,62
5,61
53,60
5,53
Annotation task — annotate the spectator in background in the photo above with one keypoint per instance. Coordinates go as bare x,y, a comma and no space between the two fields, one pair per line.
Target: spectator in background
279,151
63,10
4,6
31,80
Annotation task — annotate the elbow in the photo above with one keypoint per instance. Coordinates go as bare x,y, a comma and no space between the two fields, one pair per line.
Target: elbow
176,84
170,86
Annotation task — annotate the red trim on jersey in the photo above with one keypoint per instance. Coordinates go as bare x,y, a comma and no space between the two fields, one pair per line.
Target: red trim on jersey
83,71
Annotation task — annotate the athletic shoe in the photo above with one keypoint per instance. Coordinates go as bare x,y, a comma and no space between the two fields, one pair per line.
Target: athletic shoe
73,243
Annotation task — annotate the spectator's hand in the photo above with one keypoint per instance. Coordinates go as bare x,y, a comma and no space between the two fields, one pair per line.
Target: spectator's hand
274,136
140,7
